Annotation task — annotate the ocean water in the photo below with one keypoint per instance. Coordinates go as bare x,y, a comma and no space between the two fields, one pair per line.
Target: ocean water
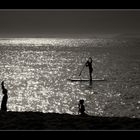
35,71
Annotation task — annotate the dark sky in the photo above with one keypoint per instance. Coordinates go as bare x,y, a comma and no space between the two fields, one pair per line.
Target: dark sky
67,23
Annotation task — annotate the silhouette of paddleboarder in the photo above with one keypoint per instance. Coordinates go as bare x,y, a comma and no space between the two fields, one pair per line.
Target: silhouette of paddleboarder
5,98
89,64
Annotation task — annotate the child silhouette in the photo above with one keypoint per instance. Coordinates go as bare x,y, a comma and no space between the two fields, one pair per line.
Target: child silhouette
81,107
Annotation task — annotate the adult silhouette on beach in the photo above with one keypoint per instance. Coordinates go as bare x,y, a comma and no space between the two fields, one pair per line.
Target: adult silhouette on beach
81,107
89,64
4,99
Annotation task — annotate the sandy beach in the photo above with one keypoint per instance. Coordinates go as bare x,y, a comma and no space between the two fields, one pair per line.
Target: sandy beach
55,121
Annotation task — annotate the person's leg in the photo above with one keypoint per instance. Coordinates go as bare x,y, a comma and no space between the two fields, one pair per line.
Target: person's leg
90,74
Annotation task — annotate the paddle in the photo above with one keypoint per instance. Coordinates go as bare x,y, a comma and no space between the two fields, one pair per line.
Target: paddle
82,69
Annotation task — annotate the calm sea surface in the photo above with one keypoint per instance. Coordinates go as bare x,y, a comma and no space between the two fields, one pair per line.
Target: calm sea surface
35,72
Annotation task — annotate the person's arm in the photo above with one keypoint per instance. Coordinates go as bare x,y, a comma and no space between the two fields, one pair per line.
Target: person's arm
2,85
86,64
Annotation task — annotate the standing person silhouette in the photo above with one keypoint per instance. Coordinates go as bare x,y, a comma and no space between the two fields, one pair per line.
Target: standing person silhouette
89,64
4,99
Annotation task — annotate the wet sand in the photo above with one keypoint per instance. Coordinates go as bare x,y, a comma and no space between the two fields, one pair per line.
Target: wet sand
55,121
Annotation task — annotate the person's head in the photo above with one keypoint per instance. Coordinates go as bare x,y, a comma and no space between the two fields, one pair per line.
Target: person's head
2,83
90,59
81,101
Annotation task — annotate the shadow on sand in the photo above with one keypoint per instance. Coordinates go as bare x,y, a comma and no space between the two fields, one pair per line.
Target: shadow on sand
55,121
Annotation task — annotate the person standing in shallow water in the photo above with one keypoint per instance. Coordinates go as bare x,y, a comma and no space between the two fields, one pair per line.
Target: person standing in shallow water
89,64
5,98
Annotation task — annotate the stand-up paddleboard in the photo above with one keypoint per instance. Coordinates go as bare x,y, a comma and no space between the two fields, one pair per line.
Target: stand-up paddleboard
84,80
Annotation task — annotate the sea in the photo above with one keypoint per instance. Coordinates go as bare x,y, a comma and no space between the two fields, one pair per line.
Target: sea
36,72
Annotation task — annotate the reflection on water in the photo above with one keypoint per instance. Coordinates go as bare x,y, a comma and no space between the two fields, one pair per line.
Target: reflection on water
37,79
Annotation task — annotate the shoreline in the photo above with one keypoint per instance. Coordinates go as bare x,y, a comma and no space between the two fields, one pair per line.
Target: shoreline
56,121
